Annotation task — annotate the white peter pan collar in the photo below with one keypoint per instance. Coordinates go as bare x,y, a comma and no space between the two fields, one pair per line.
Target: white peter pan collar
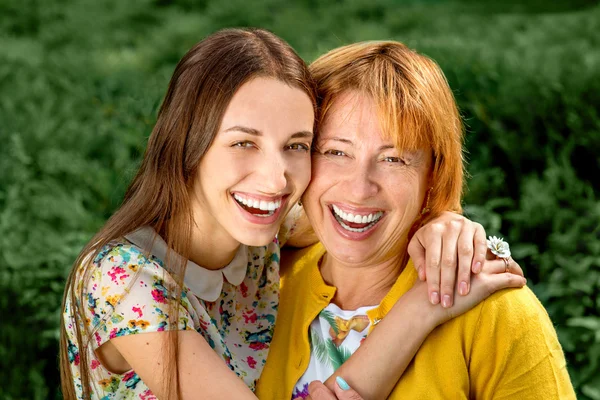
206,284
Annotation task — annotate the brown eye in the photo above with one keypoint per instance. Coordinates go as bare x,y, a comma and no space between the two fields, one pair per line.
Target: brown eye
299,147
394,160
243,144
336,153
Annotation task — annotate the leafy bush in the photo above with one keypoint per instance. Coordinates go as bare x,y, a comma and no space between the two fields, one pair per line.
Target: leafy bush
80,94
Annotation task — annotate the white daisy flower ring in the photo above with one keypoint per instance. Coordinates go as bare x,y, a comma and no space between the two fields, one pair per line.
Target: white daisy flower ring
498,247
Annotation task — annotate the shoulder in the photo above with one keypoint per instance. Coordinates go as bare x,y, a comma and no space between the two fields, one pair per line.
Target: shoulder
128,291
124,252
517,306
514,349
117,269
118,259
515,318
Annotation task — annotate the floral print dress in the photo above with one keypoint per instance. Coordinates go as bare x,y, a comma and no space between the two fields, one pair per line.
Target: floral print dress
234,308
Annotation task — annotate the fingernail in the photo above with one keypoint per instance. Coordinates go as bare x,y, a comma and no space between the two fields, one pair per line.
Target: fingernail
463,288
477,267
342,383
446,301
434,298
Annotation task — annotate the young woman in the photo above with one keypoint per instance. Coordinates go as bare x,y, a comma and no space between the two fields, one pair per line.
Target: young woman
191,258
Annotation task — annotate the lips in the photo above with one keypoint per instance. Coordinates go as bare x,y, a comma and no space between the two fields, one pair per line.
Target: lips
356,221
260,210
256,206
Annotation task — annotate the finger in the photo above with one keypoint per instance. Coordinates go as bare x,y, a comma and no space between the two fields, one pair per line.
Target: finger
506,280
495,266
515,268
343,391
480,250
416,251
449,262
466,244
498,266
433,248
318,391
484,285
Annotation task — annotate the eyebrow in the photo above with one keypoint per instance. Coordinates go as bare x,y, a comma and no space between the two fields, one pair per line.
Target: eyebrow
245,129
256,132
338,139
348,141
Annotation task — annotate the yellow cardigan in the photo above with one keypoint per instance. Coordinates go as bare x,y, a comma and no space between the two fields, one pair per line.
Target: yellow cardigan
504,348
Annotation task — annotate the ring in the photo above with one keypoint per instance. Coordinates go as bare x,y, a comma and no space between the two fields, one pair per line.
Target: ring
506,264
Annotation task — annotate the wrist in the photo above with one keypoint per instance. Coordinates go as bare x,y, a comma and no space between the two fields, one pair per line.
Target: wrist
424,315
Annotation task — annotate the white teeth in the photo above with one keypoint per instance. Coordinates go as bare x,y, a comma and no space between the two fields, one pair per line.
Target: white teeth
357,219
239,198
346,227
259,204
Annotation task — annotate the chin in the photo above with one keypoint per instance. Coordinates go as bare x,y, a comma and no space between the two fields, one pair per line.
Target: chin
257,239
349,256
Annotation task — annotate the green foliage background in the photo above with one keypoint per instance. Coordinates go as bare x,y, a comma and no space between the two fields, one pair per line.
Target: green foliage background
81,81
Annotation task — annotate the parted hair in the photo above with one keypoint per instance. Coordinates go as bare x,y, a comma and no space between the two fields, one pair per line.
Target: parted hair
201,88
416,107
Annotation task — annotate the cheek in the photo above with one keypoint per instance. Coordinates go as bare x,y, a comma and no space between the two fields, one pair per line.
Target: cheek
319,186
232,165
406,191
322,166
299,171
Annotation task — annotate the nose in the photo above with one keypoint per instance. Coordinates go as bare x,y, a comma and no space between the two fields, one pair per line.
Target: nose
362,183
273,171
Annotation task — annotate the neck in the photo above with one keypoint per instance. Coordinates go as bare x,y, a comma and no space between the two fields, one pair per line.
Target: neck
211,246
361,285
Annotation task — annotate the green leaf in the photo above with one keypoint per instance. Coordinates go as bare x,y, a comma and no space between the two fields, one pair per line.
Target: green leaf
319,347
330,318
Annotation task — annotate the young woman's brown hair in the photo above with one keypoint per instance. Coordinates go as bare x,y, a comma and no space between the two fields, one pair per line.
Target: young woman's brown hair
199,92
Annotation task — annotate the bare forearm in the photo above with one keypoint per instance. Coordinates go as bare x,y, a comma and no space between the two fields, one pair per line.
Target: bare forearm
375,368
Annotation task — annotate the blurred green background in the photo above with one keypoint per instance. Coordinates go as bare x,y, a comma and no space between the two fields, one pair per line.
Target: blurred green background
81,81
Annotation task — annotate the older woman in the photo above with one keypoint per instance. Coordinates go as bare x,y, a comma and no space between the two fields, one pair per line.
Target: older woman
388,159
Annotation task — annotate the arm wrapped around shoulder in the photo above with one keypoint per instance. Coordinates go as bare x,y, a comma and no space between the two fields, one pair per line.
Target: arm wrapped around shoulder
516,353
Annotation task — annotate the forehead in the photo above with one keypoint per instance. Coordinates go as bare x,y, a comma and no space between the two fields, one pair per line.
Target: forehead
356,114
353,115
262,101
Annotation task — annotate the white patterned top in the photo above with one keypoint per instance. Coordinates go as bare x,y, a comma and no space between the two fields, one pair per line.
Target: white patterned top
334,335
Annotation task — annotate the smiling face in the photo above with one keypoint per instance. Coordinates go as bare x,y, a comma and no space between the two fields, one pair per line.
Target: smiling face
365,194
258,165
